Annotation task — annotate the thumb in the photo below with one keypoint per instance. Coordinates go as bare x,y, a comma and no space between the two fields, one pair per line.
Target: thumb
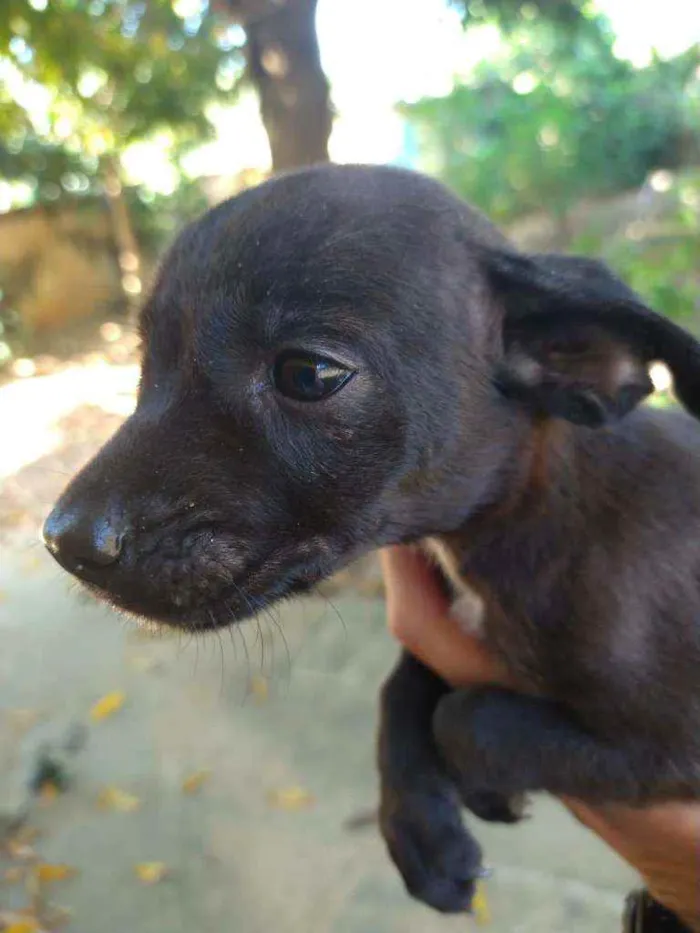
418,617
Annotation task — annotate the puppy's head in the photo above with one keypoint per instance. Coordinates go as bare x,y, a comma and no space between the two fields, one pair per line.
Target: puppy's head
342,358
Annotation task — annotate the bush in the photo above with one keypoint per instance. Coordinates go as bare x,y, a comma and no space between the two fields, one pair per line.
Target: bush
555,117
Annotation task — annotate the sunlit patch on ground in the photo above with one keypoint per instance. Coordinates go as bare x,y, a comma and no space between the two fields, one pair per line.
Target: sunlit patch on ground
54,415
31,409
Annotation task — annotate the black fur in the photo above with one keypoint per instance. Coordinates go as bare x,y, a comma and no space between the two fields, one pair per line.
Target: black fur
480,375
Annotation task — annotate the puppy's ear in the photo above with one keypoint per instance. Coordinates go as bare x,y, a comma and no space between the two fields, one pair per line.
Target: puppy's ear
578,343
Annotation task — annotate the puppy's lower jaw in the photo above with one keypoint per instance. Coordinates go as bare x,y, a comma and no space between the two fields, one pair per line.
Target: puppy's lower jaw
158,610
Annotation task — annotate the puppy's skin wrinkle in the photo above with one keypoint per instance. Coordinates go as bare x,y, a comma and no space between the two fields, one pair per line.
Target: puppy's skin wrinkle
495,412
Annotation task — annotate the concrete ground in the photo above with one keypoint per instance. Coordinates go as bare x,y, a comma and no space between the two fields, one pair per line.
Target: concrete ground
284,737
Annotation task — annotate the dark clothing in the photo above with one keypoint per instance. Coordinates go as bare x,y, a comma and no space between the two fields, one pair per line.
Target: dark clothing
645,915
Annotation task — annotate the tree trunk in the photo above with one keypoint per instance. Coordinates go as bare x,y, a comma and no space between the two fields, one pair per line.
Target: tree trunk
128,254
284,65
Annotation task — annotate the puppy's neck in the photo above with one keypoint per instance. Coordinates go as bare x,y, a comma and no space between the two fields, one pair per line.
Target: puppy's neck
543,468
537,489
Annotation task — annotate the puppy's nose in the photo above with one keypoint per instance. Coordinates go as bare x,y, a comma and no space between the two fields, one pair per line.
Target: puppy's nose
79,539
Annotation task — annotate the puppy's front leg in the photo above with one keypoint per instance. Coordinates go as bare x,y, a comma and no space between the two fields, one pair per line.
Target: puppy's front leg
420,812
514,744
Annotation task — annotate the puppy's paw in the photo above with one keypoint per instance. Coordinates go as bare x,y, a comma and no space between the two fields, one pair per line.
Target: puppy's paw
496,808
439,861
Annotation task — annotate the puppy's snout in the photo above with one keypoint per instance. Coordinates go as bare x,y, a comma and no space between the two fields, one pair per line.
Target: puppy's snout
82,539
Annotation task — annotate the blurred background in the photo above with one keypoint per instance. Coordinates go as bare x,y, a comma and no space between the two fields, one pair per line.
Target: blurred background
154,784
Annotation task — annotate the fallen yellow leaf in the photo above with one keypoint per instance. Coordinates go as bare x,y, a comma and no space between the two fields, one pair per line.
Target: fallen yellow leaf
150,872
290,798
48,793
107,705
193,783
480,905
259,688
21,926
113,798
47,873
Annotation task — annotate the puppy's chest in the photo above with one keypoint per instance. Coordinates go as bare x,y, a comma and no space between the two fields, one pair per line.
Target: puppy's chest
467,608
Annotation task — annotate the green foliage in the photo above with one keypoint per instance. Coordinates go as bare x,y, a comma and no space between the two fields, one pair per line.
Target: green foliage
658,257
556,117
567,15
149,64
82,79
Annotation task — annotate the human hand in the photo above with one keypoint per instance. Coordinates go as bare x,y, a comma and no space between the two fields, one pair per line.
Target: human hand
662,842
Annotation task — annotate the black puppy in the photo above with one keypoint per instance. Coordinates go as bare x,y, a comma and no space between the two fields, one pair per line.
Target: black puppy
349,357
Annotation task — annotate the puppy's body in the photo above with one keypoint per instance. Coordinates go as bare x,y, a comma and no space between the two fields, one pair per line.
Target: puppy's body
597,532
350,357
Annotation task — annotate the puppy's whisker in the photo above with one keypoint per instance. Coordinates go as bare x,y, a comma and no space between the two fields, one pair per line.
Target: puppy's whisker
236,630
247,657
338,615
269,612
231,638
221,653
268,633
195,668
259,636
242,595
278,626
182,644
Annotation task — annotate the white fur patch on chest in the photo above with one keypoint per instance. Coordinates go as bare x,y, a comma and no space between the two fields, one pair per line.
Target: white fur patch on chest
467,608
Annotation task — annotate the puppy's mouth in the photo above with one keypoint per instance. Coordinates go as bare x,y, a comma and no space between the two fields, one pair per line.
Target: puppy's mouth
228,608
218,589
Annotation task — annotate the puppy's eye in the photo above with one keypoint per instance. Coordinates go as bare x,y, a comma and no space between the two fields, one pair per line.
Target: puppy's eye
307,377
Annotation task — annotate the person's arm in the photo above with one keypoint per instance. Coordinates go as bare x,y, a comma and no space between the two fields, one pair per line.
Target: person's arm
661,842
